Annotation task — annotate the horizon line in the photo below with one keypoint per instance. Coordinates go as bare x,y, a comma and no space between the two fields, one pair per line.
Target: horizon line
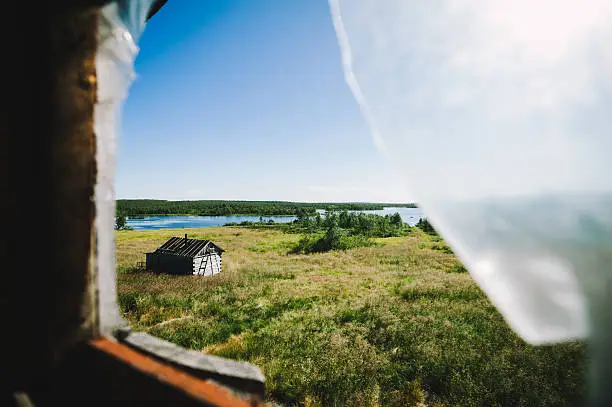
262,200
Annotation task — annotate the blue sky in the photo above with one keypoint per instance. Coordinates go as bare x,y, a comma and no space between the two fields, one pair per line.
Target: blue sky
246,100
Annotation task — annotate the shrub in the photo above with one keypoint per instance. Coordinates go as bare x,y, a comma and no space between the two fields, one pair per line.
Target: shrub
426,227
458,268
334,239
442,248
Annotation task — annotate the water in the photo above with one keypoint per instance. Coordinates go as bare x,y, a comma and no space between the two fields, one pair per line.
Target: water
409,215
179,222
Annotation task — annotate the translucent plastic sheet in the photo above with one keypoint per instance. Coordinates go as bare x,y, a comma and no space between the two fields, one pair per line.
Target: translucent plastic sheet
497,114
120,27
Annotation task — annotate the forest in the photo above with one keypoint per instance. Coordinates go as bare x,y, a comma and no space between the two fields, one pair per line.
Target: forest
143,207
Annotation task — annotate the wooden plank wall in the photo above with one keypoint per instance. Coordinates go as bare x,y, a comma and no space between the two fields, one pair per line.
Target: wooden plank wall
213,265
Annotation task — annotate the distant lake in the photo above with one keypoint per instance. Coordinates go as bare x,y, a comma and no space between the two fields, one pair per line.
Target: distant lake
409,215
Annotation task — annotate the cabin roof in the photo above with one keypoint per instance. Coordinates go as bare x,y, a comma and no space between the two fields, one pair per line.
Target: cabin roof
180,246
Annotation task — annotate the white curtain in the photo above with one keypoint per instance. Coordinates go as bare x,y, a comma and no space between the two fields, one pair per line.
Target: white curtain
497,113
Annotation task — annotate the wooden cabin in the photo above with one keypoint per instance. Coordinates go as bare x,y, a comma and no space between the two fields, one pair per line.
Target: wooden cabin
186,256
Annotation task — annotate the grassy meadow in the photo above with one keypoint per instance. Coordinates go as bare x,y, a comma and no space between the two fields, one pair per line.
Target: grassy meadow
399,323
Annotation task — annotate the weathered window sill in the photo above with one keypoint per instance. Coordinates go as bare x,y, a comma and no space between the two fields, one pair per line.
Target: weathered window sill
139,370
242,377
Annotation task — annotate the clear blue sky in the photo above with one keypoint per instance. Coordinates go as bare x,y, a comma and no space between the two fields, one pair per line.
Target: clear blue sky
246,100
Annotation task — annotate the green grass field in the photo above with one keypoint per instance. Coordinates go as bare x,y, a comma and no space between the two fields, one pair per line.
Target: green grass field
395,324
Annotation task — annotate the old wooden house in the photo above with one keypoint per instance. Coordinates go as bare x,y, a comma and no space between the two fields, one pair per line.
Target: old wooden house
186,256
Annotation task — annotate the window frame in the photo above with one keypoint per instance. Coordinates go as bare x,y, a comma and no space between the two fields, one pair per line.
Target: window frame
58,351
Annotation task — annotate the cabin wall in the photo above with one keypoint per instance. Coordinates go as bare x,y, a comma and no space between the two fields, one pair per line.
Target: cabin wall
151,261
168,263
212,266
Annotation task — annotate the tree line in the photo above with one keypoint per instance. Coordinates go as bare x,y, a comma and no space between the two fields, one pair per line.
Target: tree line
144,207
340,231
345,230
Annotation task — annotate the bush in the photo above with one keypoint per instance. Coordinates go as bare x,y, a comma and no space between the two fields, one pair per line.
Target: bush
334,239
458,268
121,222
426,227
442,248
308,244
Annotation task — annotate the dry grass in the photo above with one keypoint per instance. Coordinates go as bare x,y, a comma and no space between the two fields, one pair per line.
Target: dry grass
393,324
